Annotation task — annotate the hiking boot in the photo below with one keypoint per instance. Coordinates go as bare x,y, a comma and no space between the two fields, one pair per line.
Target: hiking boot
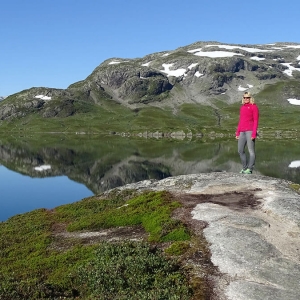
242,171
248,171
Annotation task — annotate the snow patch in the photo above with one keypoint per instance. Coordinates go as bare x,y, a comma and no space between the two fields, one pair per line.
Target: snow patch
42,97
292,46
215,54
191,66
290,69
294,101
114,62
294,164
240,88
257,58
176,73
43,168
198,74
248,49
195,50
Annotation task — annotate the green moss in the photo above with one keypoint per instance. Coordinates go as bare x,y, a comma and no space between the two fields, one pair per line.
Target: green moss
152,210
295,187
28,266
37,263
177,248
132,271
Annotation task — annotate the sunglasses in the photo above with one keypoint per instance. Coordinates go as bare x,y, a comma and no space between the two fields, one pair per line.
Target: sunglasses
247,97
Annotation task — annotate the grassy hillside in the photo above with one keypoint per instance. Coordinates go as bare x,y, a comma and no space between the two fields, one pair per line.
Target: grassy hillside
107,116
43,255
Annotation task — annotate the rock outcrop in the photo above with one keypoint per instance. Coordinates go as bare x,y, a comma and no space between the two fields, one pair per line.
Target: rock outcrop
252,224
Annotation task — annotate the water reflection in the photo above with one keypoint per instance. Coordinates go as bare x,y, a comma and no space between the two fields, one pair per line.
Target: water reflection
102,163
21,193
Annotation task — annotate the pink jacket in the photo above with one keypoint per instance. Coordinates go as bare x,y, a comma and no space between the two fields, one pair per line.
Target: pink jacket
248,121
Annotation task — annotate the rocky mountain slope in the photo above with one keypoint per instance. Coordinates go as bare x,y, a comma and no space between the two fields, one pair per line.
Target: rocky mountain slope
200,73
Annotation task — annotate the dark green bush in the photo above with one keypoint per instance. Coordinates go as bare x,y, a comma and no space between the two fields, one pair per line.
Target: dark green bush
132,271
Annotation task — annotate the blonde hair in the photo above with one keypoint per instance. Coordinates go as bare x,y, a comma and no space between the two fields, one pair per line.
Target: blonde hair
247,94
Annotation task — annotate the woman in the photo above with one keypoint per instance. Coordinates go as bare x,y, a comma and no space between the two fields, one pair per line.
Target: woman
247,131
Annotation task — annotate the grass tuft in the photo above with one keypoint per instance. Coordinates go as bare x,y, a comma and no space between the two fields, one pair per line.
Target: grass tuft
152,210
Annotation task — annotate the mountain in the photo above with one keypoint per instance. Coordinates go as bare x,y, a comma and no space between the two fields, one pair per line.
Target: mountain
2,98
199,80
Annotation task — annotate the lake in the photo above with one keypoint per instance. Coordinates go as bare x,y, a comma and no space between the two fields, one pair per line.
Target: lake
51,170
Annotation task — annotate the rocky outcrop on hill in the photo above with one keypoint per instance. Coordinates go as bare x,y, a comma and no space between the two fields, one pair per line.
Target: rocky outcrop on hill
252,224
198,73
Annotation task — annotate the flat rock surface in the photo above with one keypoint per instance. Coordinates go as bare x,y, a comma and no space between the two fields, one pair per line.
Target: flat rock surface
253,228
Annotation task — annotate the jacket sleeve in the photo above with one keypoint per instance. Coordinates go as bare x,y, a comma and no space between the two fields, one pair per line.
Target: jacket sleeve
255,120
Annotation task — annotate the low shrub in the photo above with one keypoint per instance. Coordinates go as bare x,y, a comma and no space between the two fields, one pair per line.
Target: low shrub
37,263
132,271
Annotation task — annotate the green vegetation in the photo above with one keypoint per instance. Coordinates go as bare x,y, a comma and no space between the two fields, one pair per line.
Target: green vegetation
295,187
96,113
38,262
151,210
178,248
132,271
111,117
275,111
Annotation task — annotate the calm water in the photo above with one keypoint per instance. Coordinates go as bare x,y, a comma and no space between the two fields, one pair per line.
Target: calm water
50,171
20,193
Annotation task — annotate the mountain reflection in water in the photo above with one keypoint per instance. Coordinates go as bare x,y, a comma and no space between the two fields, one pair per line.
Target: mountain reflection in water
104,162
21,193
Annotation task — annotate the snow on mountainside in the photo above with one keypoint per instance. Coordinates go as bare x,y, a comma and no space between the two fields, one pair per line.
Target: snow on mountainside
206,51
203,70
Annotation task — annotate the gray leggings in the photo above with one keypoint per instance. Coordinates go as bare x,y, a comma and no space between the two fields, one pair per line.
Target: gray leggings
245,138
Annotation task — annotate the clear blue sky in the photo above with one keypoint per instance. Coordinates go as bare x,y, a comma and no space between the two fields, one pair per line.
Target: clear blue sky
54,43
